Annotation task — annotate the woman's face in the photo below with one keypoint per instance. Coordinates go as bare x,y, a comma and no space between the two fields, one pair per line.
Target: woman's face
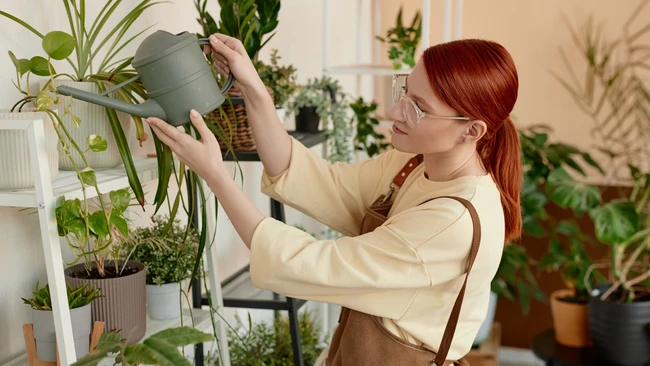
430,135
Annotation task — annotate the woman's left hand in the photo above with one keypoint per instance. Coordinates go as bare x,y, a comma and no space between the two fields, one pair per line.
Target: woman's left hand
202,156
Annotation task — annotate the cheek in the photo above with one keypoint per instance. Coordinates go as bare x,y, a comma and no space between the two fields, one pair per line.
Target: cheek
428,138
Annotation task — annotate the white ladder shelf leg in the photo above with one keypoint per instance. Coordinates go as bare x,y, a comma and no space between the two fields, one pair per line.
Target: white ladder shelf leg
50,240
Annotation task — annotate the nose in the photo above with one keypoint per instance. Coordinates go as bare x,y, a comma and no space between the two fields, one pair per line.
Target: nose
395,113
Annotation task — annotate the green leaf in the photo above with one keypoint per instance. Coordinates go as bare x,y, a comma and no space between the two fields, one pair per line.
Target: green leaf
120,223
88,176
108,342
22,65
524,298
58,45
589,160
76,226
165,354
568,228
615,222
137,354
40,66
97,223
120,200
91,360
44,101
183,336
533,227
567,192
97,143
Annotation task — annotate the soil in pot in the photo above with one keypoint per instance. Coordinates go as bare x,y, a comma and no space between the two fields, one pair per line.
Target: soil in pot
307,120
619,330
45,336
570,319
123,306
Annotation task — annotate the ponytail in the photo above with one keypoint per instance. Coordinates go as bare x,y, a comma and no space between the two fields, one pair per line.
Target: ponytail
502,157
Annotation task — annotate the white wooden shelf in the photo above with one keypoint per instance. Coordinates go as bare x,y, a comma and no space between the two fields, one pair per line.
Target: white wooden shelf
202,322
365,69
68,184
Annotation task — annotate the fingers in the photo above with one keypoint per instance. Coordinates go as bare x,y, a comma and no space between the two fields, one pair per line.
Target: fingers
230,42
200,125
155,124
228,52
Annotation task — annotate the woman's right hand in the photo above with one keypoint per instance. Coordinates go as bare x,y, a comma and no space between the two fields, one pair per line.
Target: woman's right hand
229,55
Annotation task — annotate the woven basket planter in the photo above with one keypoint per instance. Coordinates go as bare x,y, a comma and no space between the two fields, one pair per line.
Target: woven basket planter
234,126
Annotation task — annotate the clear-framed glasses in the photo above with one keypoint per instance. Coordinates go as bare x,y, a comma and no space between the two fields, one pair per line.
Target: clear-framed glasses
410,110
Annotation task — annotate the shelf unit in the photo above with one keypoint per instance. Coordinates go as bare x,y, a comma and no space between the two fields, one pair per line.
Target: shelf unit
44,196
238,291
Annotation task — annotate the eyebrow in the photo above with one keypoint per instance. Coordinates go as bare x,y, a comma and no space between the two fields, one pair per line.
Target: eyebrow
417,97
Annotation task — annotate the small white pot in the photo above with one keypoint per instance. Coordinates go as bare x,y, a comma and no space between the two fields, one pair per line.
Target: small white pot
282,114
15,163
45,336
94,121
485,329
164,302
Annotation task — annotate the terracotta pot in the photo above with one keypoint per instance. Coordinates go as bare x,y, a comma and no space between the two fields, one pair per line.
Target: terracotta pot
123,306
570,320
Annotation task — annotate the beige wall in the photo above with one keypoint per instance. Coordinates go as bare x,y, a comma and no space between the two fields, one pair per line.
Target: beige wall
533,31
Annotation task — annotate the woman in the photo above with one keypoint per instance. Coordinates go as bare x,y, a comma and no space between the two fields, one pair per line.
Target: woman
413,218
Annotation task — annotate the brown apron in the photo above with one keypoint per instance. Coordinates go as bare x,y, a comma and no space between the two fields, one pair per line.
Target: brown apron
361,339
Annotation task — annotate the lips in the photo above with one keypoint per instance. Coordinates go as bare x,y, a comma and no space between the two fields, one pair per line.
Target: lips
397,130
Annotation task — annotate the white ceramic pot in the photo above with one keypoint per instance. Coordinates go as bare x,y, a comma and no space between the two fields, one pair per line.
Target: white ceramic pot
94,120
282,114
164,302
15,163
485,329
45,336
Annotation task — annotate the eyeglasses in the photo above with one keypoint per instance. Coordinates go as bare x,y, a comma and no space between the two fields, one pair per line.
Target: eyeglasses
410,110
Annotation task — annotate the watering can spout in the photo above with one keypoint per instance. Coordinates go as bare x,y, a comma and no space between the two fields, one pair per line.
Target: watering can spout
149,108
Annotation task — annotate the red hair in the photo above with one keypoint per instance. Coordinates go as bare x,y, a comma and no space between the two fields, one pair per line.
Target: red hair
479,80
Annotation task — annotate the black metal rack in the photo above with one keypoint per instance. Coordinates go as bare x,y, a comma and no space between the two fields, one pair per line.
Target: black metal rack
238,290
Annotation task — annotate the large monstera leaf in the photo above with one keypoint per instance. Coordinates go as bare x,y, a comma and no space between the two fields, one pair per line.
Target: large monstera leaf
570,193
615,221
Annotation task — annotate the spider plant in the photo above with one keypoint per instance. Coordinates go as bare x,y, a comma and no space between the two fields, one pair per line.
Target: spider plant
88,39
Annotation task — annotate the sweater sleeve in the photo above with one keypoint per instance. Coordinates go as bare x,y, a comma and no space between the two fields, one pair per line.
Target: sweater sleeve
378,273
334,194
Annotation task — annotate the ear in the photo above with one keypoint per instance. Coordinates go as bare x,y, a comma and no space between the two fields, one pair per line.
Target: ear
474,131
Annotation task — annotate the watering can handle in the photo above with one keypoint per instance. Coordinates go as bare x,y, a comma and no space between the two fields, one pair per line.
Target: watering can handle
231,77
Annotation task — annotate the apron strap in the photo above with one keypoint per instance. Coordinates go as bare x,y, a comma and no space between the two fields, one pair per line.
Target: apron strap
407,169
447,337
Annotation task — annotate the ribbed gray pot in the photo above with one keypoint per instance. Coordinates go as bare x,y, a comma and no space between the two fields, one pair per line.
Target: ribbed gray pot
124,305
45,336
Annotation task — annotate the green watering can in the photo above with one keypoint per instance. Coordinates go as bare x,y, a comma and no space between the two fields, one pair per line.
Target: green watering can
176,76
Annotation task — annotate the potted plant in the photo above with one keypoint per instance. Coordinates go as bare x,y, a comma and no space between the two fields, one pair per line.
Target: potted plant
96,239
544,162
249,22
367,139
270,344
159,349
280,79
168,264
569,305
80,302
15,162
96,67
403,41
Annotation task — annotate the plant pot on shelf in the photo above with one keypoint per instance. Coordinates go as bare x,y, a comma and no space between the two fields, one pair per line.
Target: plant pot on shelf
123,306
15,162
486,327
570,320
619,330
307,120
164,301
282,114
232,122
94,120
45,336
